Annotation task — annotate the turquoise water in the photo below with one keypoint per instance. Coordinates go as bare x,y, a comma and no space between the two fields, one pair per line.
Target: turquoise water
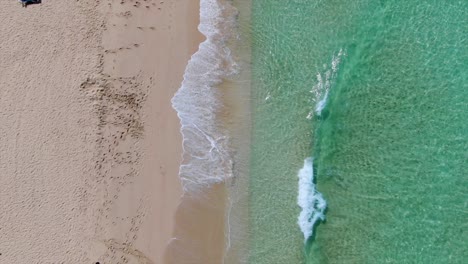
390,146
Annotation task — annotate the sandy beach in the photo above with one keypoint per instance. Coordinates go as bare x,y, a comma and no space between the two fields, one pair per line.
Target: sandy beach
89,143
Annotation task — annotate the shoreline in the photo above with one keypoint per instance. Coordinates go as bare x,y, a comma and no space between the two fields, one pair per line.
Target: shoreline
215,117
199,234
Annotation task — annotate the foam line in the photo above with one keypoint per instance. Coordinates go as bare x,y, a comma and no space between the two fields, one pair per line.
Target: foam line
206,158
310,200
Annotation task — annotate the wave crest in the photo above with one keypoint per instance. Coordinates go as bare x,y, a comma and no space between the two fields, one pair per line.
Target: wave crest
310,200
324,82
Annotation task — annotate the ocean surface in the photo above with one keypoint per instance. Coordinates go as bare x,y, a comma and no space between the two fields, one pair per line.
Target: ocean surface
358,141
377,93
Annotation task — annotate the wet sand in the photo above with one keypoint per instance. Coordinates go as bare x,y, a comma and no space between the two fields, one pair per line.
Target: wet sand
89,143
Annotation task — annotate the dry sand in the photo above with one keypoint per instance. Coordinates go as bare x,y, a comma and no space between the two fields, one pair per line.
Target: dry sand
89,143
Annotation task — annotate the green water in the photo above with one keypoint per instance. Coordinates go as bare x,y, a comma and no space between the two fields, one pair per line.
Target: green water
391,146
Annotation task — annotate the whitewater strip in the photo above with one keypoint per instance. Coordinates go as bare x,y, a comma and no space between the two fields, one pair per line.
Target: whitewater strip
207,162
198,102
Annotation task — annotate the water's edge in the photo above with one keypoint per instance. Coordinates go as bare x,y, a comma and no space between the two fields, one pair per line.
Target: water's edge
214,126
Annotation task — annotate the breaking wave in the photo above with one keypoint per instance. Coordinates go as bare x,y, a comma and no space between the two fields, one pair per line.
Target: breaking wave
324,82
310,200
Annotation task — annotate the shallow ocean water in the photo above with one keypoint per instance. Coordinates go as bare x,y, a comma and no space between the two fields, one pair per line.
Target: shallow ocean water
389,146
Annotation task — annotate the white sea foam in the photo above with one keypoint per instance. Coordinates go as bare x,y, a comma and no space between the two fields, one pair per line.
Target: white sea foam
321,104
206,158
310,200
324,82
